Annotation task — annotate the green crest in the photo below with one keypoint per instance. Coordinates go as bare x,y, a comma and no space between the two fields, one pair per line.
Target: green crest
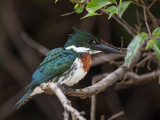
81,39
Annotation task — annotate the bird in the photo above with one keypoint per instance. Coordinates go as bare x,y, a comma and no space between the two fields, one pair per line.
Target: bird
66,65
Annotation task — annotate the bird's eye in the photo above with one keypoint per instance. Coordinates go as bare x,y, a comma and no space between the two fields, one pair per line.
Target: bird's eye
89,41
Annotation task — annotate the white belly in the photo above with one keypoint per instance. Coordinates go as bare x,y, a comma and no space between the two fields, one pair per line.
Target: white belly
74,74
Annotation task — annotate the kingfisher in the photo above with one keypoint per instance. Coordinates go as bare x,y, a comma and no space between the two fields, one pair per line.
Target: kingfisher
66,65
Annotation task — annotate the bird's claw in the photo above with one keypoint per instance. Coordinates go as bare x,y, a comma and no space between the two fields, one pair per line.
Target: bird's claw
64,88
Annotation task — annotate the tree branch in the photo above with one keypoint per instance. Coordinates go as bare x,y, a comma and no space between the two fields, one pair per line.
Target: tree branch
102,58
145,18
153,2
133,2
150,14
65,102
66,115
123,23
95,79
40,48
138,79
116,115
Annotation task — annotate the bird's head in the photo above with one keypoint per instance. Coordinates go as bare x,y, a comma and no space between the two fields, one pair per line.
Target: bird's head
81,41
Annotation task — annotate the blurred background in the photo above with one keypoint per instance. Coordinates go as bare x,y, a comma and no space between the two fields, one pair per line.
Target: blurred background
42,21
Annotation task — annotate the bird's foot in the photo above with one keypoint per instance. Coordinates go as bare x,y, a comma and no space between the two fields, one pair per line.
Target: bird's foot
64,87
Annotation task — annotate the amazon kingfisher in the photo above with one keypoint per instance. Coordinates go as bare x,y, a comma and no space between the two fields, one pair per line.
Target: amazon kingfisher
66,65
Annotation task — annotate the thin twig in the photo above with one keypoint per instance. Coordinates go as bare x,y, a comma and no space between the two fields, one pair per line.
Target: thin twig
145,18
153,2
106,43
116,63
102,117
150,14
142,62
121,42
70,13
124,24
148,64
95,79
40,48
93,107
130,27
138,79
102,58
135,3
116,115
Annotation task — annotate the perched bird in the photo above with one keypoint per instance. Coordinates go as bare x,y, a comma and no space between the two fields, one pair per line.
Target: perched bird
67,65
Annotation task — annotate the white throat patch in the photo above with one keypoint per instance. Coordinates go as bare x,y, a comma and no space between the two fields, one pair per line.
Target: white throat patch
82,49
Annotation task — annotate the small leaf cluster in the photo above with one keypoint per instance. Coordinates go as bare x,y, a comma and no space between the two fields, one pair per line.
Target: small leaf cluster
136,43
92,7
154,43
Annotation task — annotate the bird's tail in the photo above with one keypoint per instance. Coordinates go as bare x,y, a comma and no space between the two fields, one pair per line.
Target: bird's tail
23,100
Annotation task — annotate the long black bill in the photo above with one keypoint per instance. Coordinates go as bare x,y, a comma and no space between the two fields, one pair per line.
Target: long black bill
105,48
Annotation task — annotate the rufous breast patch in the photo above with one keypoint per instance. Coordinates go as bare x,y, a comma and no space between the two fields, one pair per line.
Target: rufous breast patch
87,61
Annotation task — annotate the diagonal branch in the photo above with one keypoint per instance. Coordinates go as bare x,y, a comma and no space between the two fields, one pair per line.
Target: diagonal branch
138,79
150,14
40,48
145,18
65,102
153,2
66,115
123,23
116,115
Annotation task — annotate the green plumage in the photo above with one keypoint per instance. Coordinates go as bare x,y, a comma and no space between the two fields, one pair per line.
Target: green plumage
56,62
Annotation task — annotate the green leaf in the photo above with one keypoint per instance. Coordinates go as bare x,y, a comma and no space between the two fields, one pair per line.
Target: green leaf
120,2
156,48
150,43
56,1
123,7
112,1
154,43
134,46
75,1
156,33
78,8
90,14
112,10
94,5
158,43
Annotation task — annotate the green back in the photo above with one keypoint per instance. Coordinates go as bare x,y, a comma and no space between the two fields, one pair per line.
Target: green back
57,61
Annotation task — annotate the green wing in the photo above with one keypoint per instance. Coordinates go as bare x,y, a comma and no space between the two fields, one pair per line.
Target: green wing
57,61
